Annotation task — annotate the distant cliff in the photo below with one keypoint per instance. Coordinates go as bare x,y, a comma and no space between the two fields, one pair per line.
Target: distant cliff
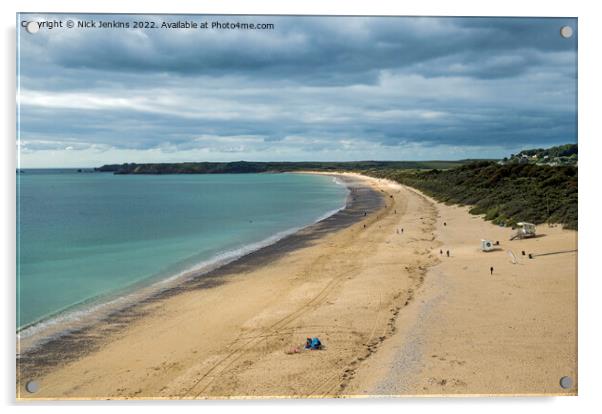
242,167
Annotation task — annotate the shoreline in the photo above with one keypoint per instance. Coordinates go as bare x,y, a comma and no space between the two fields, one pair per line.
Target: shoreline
92,310
69,343
396,318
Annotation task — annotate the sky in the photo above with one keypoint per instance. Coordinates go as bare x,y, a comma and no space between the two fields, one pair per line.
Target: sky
311,89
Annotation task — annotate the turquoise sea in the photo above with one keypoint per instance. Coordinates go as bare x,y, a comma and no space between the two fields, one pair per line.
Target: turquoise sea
86,237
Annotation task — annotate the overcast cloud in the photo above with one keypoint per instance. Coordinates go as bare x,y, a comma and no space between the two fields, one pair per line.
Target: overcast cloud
314,88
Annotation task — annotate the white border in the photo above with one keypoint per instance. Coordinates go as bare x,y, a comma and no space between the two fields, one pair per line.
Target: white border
590,346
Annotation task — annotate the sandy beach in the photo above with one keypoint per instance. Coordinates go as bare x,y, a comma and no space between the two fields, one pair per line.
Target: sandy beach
473,332
395,315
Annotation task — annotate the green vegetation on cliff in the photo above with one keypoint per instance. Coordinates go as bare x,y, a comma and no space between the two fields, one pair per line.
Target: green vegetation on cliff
560,155
505,194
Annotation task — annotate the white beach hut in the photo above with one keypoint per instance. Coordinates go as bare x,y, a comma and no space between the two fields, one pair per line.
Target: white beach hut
525,230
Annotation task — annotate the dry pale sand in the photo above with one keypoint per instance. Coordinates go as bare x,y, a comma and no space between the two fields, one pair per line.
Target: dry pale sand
473,333
395,318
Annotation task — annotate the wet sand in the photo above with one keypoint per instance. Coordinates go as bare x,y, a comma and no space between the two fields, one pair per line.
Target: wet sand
395,316
60,352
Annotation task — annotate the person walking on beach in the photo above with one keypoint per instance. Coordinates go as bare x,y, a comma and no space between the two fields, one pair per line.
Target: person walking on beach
441,252
491,270
447,252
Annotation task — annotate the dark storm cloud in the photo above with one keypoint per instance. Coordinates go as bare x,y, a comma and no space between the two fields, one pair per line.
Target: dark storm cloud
313,84
330,47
